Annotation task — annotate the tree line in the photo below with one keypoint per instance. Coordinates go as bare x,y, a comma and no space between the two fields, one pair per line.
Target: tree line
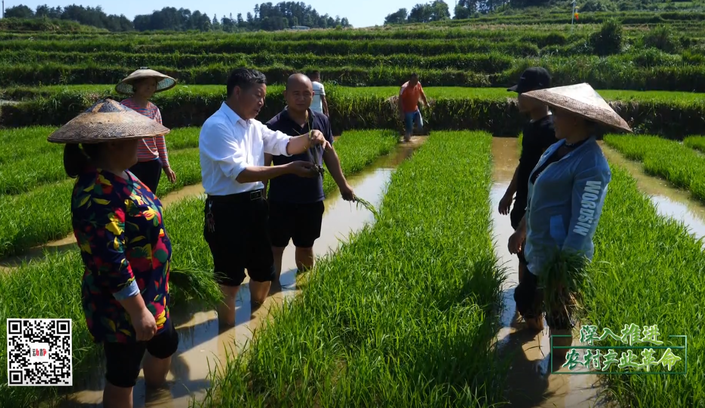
266,16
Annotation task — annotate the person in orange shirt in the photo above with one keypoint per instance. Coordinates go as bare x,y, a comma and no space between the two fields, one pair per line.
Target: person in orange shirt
409,104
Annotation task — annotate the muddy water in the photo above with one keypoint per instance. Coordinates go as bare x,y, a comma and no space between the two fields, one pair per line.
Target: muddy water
530,382
203,345
669,201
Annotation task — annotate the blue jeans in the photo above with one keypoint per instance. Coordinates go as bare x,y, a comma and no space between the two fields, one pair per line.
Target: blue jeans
410,119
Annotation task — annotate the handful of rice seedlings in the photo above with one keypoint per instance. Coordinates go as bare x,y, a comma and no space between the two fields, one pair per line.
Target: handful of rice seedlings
563,282
367,205
196,285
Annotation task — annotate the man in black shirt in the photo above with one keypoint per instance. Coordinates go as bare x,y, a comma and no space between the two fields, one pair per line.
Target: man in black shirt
296,204
538,136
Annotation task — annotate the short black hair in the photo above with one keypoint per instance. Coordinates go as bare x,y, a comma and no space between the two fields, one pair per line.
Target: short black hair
414,75
315,73
245,78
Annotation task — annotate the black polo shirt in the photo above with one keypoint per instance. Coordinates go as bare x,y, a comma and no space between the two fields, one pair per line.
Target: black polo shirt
538,136
291,188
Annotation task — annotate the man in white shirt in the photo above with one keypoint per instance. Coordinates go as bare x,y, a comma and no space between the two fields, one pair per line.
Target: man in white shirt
232,146
319,104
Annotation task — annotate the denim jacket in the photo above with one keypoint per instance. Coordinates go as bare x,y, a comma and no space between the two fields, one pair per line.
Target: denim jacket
565,203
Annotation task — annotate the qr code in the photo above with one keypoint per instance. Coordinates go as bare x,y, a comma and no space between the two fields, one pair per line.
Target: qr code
39,352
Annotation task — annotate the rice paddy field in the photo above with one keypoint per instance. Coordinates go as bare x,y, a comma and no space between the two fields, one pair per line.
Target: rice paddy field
406,311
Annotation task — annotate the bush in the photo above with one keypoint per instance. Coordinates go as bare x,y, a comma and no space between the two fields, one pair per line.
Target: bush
662,38
609,39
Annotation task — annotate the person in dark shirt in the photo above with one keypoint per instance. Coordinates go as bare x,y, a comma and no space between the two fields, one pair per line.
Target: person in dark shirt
295,203
538,135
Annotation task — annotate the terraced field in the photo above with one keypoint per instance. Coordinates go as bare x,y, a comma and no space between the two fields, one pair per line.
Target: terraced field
406,312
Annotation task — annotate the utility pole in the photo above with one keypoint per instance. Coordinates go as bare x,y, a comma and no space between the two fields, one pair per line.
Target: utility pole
572,16
3,8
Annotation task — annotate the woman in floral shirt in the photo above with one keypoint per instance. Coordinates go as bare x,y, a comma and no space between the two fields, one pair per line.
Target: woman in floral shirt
126,251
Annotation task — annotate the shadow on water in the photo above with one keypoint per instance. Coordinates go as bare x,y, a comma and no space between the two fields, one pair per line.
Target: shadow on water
203,345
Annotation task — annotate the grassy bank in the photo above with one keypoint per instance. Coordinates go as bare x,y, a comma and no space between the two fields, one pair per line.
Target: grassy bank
648,271
397,318
680,165
671,114
42,214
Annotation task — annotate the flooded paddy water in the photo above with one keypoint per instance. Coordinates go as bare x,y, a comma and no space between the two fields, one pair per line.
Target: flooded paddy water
530,382
204,347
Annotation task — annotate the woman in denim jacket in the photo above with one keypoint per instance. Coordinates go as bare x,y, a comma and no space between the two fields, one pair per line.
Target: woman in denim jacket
567,190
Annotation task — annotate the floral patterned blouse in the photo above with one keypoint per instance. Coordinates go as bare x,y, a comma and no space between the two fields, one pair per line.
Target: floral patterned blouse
125,249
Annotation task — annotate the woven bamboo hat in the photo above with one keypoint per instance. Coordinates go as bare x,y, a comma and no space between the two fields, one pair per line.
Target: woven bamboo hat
107,120
580,100
165,81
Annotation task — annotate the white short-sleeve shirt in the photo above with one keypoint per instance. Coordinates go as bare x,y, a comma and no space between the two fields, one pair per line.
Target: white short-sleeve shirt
228,144
317,102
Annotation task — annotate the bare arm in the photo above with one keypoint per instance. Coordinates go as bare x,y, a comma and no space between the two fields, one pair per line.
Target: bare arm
330,157
423,96
512,189
253,174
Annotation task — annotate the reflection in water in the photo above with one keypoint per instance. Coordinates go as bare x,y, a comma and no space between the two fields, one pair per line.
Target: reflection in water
203,346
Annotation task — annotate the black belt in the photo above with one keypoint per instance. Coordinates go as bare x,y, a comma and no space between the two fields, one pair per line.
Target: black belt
238,198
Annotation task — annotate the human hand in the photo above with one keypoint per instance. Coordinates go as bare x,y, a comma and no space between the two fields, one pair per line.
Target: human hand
347,192
505,204
170,174
516,242
145,325
316,138
303,169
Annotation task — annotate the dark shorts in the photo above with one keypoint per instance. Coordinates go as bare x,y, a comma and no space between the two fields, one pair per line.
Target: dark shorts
298,222
123,361
516,215
239,238
529,300
149,173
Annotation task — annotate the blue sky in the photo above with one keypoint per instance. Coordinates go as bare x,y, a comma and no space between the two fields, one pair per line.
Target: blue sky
360,13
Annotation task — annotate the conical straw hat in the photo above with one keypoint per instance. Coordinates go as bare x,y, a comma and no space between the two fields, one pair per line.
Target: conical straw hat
581,100
107,120
165,81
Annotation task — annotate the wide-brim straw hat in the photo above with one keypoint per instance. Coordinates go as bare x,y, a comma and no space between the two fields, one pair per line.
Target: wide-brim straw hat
105,121
580,100
165,82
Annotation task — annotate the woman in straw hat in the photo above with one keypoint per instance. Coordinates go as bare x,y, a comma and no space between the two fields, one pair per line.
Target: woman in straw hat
566,193
125,249
152,154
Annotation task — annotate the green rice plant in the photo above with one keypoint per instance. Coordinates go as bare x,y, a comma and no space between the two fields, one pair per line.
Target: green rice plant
563,281
681,166
191,279
695,142
22,143
673,114
404,314
41,215
648,270
358,149
51,288
29,161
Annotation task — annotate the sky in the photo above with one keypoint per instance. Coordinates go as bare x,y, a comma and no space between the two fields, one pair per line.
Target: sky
360,13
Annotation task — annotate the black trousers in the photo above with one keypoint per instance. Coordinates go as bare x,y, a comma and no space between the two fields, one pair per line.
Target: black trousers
237,231
529,300
149,173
